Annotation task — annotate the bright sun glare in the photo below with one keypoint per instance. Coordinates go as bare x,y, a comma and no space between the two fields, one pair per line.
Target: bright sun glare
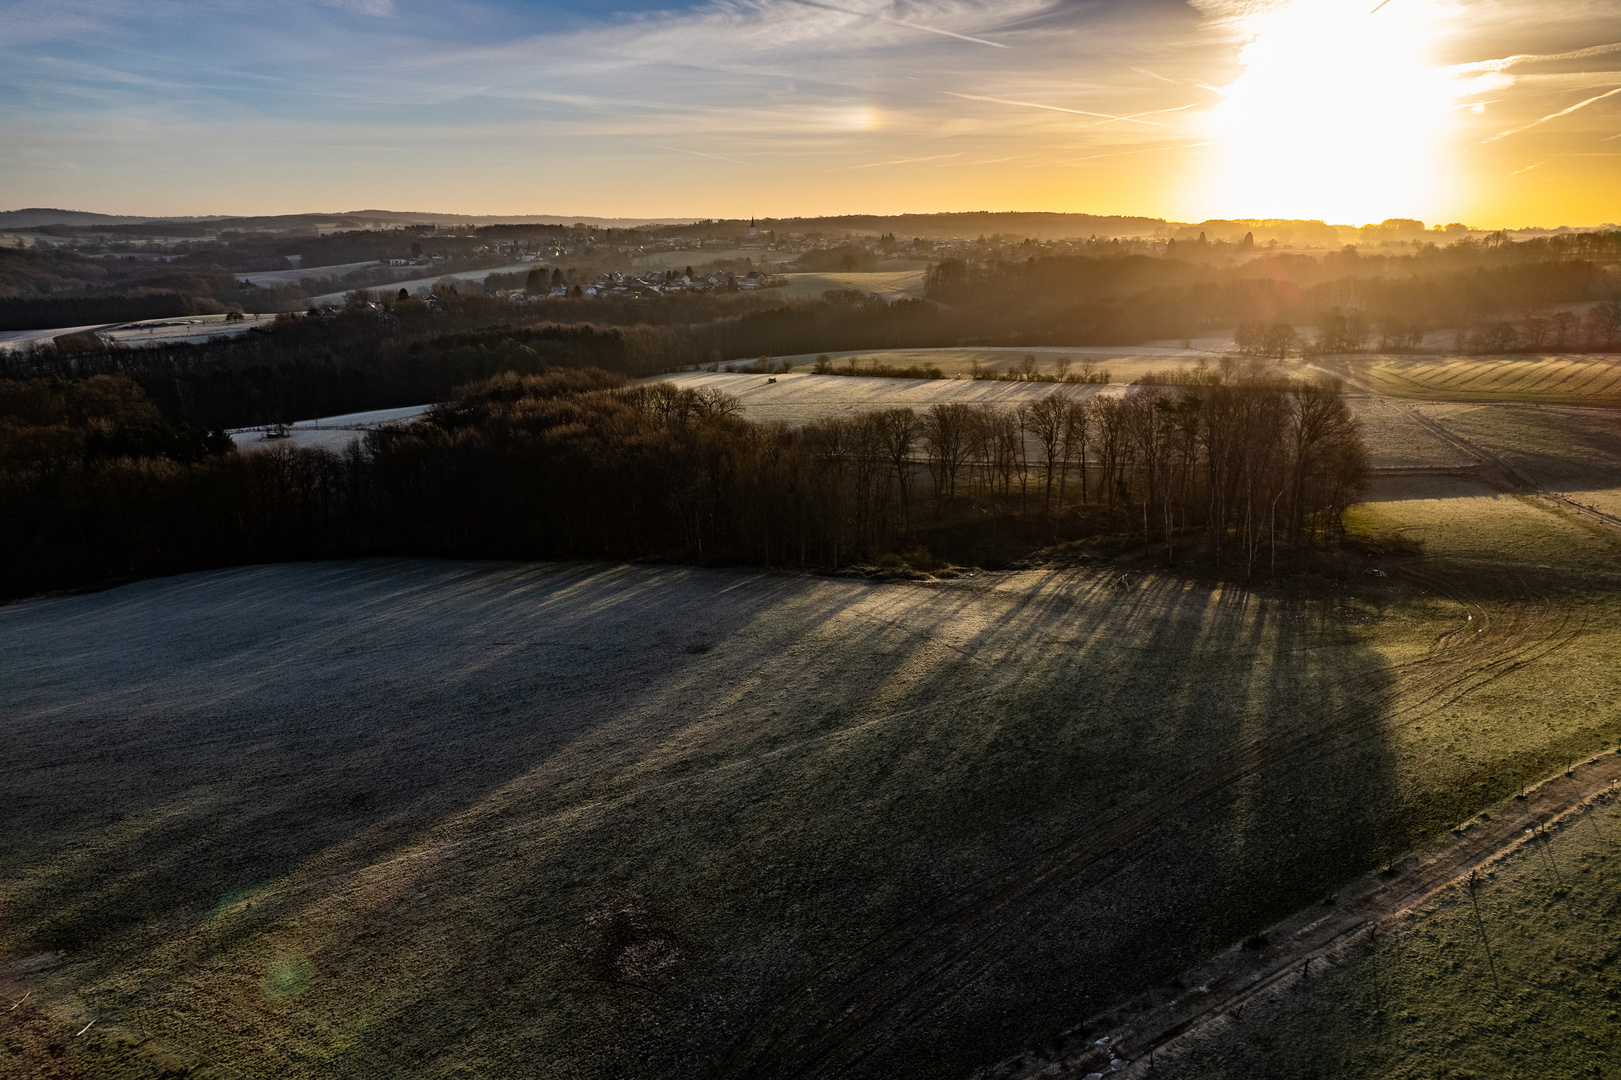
1341,113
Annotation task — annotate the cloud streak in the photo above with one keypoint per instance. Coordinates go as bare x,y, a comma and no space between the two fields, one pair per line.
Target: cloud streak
1504,62
1052,108
1550,116
695,153
902,22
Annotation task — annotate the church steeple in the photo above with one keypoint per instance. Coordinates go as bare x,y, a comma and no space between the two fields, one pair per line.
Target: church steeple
753,232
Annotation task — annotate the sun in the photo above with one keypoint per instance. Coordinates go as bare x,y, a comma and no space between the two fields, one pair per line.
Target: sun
1341,113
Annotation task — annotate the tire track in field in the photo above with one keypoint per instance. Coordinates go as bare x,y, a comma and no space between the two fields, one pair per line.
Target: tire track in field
838,1017
1507,476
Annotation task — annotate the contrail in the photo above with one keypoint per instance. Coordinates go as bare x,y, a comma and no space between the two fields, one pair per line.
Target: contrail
1522,58
1550,116
695,153
1157,112
899,161
1528,168
901,22
1050,108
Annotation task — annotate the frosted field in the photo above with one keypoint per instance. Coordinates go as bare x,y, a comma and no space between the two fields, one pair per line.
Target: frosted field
1588,378
334,433
405,818
193,329
1396,439
1124,364
297,274
799,399
419,286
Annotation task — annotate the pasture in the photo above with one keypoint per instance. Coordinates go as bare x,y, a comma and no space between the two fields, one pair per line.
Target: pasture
427,819
796,399
889,284
1513,975
430,819
1545,380
1395,439
1124,365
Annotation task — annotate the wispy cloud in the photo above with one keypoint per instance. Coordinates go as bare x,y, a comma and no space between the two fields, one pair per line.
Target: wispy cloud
362,7
1504,62
903,22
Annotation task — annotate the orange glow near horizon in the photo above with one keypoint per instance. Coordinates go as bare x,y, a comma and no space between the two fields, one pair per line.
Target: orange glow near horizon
1495,113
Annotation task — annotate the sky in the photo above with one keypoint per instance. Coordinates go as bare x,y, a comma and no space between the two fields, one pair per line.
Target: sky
1496,113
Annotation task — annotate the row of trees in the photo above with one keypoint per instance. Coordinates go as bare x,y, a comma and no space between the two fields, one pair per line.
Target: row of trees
1350,329
578,463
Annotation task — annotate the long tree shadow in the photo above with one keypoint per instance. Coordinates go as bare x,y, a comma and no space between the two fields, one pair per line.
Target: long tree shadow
1165,775
682,823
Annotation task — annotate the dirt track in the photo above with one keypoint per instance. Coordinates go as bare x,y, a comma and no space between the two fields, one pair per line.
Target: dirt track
1491,468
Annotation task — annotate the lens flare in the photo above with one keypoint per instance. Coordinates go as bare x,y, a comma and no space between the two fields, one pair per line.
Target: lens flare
1341,113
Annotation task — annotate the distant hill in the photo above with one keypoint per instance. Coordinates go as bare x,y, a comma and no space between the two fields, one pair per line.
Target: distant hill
35,216
1041,226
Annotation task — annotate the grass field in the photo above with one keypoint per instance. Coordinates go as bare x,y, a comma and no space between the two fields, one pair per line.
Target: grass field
1395,439
1124,365
889,284
797,399
1557,379
1575,451
1427,998
426,819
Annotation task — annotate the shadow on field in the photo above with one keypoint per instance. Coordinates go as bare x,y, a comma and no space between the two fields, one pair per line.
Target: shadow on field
609,821
1165,772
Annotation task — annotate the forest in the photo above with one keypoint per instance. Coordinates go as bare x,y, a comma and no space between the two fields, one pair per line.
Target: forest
578,462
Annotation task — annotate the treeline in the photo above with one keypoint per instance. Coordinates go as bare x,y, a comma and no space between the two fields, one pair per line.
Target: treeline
405,353
34,312
576,463
1133,298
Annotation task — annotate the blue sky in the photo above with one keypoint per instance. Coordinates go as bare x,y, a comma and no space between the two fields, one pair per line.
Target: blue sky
732,107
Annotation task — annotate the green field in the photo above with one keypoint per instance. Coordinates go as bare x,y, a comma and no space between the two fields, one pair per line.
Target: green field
429,819
1427,999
